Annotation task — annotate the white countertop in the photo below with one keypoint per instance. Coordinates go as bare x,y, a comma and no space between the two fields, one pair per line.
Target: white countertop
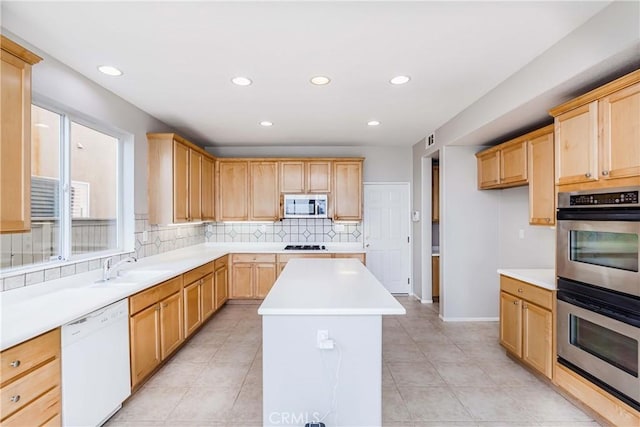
542,277
328,287
32,310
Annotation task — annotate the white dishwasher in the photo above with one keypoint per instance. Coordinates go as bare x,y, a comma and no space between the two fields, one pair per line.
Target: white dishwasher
95,366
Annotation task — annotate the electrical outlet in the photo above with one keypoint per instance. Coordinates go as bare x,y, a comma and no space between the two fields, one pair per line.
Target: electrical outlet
338,228
209,228
262,228
323,341
145,236
521,233
178,232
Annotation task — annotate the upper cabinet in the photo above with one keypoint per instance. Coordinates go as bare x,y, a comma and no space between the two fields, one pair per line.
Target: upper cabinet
542,195
15,146
504,165
233,190
597,137
305,176
264,198
180,180
347,190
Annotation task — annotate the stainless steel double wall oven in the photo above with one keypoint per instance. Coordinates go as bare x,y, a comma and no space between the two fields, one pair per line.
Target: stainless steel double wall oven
598,259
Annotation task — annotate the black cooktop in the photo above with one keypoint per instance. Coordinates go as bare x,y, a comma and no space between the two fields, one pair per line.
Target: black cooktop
305,248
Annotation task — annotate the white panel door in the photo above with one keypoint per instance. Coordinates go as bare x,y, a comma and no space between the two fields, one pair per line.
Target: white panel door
386,234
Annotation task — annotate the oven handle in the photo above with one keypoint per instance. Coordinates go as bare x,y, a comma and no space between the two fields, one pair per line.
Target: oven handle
599,214
621,316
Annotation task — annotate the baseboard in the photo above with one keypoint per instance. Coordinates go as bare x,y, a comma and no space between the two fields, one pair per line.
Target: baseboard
420,300
469,319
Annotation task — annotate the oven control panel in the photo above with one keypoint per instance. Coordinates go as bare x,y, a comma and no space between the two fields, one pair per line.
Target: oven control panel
617,198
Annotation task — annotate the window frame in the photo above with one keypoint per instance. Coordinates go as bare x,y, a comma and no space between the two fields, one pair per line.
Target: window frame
65,243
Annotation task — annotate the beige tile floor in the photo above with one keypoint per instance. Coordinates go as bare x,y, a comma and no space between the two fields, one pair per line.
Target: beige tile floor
434,374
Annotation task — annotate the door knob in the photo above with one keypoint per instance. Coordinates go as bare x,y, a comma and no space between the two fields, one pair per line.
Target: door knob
588,174
605,173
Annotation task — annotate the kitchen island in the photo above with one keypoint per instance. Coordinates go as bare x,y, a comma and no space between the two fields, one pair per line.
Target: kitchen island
322,344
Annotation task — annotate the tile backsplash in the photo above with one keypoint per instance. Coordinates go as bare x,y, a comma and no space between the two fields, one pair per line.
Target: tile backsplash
286,230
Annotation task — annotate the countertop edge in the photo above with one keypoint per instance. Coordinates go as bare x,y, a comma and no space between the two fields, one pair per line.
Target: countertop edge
524,275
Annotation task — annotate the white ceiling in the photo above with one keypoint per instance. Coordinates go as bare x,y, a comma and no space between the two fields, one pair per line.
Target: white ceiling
178,59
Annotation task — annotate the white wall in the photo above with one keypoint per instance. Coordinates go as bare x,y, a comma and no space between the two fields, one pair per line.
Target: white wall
469,239
382,164
537,249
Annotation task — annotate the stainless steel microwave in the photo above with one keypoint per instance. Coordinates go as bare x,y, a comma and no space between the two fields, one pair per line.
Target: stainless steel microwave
305,206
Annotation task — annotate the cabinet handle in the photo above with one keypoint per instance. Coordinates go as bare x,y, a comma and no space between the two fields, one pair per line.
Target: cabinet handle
515,303
15,398
165,305
524,305
520,290
158,308
14,364
588,174
605,173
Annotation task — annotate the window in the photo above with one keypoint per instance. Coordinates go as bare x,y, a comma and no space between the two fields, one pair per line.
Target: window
75,187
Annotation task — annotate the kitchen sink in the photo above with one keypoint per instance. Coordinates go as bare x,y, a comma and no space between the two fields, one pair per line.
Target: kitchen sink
131,278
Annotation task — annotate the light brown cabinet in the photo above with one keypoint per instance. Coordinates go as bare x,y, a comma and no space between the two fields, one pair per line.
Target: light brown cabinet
305,176
542,196
178,174
526,323
347,190
208,294
208,193
264,199
597,137
233,190
15,145
435,278
199,296
155,327
252,275
435,194
362,257
30,382
192,309
504,165
221,279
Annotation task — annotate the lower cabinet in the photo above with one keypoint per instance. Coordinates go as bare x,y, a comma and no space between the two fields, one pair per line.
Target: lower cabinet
435,278
283,259
357,255
155,327
252,275
526,323
192,312
30,378
221,281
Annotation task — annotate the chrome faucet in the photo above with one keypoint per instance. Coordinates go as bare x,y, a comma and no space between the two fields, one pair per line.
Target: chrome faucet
108,268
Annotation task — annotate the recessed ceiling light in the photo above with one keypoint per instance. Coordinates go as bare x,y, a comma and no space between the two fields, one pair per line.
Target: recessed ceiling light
42,125
266,123
241,81
320,80
373,123
399,80
109,70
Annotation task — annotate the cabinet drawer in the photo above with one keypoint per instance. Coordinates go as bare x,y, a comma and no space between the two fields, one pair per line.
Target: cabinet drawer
221,262
45,410
287,257
150,296
526,291
26,389
28,355
253,257
198,273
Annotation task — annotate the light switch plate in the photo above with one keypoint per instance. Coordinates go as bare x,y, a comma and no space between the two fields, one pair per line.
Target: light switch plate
145,236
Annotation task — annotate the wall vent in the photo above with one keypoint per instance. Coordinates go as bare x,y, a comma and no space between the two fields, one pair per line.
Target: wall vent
431,139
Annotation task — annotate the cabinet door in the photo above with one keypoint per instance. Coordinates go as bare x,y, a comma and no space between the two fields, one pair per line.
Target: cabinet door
208,211
265,277
145,343
513,163
576,134
435,278
208,296
537,334
620,140
222,290
435,194
348,191
195,186
511,323
318,177
265,198
180,182
233,190
15,146
542,194
242,280
489,169
192,313
292,177
171,330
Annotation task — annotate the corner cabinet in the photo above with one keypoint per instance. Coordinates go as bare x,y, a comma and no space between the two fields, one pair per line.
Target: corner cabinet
180,180
15,146
526,323
347,190
597,137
